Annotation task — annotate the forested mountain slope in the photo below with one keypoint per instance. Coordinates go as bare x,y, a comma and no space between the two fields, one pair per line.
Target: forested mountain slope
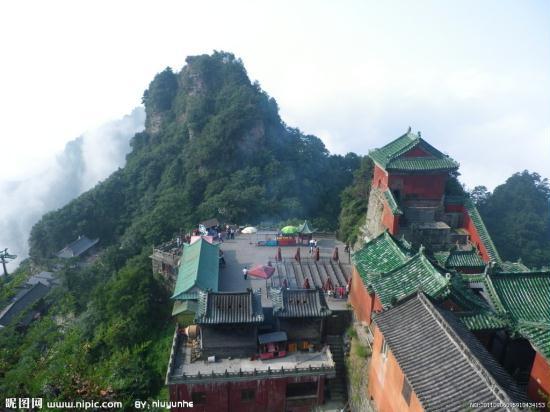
214,145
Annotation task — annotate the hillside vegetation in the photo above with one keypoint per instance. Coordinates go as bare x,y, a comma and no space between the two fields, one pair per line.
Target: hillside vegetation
214,146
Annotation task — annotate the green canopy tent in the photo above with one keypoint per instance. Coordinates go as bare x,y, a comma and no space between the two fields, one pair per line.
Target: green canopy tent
289,230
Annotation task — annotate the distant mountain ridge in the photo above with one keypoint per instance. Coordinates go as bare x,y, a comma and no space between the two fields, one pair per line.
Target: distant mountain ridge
84,161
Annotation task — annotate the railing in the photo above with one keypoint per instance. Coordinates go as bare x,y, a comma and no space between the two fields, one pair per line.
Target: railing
325,369
255,374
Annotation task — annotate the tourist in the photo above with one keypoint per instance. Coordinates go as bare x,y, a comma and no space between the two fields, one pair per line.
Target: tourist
245,273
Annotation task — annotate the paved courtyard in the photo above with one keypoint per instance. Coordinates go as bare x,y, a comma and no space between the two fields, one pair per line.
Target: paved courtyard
243,252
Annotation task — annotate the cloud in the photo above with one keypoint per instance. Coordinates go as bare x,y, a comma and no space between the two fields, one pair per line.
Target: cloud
85,161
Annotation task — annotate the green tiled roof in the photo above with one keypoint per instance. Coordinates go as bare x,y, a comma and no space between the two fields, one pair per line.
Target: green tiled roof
526,296
188,295
199,267
475,312
539,336
459,259
513,267
483,321
389,157
523,299
184,306
379,255
392,203
482,230
462,295
441,258
414,275
387,269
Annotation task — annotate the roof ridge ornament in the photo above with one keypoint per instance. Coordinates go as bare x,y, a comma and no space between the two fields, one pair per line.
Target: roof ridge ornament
409,130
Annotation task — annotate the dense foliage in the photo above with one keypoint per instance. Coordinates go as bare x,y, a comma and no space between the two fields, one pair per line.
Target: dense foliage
106,335
214,146
517,215
355,200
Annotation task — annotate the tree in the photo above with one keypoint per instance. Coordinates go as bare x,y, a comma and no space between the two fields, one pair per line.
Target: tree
355,200
517,215
479,195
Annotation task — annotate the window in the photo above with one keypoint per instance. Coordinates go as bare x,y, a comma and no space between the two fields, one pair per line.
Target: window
301,390
198,398
248,395
406,391
384,350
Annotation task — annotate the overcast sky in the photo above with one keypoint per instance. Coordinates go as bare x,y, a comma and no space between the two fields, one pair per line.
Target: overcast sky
473,76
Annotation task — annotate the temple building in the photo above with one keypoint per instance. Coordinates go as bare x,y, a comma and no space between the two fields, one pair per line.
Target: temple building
413,196
236,360
424,235
198,271
300,313
424,358
522,301
81,247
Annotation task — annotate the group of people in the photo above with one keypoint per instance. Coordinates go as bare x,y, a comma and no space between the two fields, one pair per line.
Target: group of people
229,234
219,233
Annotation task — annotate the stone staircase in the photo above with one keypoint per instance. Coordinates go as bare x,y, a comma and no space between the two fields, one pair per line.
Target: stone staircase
337,385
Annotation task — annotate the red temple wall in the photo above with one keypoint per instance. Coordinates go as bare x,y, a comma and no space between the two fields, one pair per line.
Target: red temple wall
429,187
359,298
386,381
363,302
270,395
380,178
539,381
389,220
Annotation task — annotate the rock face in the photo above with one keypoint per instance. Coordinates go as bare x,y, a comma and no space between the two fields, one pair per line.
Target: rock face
374,226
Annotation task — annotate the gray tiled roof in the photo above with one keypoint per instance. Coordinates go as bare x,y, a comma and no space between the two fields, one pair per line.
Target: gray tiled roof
76,248
299,303
24,300
229,307
445,364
